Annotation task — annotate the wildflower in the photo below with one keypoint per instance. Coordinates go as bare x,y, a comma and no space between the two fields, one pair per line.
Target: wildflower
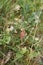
16,19
37,21
22,34
11,28
15,31
36,38
17,7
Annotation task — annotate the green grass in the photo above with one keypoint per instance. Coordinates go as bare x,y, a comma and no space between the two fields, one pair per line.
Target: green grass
21,32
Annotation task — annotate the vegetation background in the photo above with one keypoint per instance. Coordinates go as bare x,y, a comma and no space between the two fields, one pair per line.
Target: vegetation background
21,32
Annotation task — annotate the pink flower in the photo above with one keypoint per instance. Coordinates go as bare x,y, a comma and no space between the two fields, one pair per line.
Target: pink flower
22,34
